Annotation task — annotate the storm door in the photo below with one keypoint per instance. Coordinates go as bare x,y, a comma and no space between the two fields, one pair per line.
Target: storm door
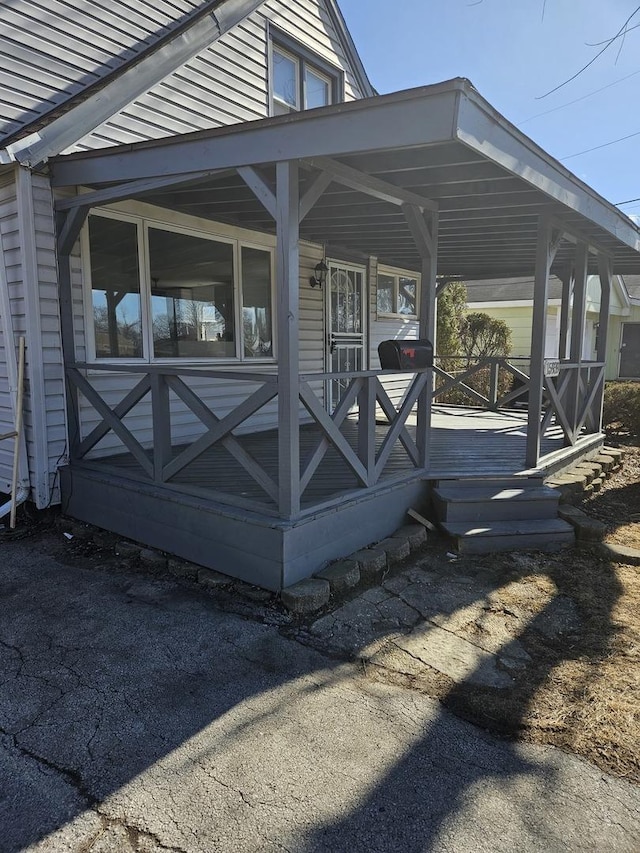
346,326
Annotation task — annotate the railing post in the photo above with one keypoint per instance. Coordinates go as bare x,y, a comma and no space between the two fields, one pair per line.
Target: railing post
494,375
604,270
367,427
161,420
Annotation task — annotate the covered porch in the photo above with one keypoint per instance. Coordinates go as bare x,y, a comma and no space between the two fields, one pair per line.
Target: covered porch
431,180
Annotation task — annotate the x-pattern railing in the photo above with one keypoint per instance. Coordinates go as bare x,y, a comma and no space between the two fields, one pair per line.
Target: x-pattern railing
161,462
574,399
490,372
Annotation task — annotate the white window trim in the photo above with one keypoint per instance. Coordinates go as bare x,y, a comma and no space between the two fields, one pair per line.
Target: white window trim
396,273
236,237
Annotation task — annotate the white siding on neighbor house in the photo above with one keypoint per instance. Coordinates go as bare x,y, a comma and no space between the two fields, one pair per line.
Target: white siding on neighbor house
226,83
53,49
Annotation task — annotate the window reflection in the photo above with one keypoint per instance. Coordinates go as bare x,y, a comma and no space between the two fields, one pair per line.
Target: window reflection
115,283
192,300
256,302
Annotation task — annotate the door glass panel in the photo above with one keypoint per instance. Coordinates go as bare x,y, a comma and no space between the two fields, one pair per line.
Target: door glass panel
256,303
115,288
192,304
317,90
346,301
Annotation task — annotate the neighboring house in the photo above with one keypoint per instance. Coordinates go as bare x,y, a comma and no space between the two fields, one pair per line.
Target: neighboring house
511,300
208,222
623,351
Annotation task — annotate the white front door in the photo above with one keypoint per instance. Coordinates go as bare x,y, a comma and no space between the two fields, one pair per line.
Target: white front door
346,344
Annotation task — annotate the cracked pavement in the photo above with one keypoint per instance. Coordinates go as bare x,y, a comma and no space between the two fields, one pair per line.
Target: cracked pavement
137,716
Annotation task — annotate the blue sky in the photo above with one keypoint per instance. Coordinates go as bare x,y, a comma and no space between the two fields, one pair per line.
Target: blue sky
514,51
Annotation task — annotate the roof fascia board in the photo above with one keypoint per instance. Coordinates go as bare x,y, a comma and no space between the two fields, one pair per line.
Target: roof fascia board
351,50
66,130
403,120
484,130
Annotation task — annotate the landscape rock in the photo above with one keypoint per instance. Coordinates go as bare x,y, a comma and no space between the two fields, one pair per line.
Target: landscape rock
371,561
343,575
416,535
396,550
306,596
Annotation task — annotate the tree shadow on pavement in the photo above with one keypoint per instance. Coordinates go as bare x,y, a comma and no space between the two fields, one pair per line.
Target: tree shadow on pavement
107,679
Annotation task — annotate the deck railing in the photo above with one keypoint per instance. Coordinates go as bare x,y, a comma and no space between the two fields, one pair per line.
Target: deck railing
572,392
363,452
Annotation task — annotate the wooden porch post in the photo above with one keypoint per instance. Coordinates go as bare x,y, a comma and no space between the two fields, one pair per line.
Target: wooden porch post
287,288
604,269
424,228
567,289
578,315
69,226
538,338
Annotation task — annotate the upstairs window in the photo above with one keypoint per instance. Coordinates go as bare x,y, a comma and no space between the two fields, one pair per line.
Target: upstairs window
397,294
300,80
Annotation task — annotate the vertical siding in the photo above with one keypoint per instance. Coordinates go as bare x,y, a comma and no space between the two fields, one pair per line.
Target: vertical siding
226,83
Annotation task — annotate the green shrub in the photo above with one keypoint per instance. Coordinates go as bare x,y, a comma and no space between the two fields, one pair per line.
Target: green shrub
621,412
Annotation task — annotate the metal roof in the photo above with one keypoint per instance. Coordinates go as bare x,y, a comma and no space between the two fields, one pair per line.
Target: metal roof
443,143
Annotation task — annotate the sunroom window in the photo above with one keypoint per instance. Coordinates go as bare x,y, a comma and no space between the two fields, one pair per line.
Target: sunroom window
301,80
397,294
160,293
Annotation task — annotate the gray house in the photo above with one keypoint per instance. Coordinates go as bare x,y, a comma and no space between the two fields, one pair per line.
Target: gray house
208,223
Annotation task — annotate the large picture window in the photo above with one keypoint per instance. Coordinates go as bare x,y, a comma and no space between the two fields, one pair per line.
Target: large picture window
160,293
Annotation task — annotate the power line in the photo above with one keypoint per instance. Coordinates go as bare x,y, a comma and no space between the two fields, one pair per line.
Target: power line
621,31
577,100
604,145
629,201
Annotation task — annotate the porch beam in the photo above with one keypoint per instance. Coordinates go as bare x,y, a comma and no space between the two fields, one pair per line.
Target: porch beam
70,226
538,337
131,189
259,187
578,316
604,269
313,193
288,299
361,182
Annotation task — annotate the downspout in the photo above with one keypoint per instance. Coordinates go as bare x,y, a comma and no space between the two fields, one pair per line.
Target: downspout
8,336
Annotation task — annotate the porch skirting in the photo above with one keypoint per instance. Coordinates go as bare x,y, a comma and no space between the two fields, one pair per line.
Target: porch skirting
256,548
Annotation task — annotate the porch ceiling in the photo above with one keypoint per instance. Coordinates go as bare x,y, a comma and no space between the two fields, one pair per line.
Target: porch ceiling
444,143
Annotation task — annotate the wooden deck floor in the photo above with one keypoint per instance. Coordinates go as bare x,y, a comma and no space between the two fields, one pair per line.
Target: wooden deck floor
465,443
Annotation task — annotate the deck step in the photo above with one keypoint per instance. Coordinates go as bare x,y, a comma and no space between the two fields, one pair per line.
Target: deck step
487,502
520,535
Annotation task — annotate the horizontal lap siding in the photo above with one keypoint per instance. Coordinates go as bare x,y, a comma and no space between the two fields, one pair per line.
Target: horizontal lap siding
53,49
51,341
226,83
8,214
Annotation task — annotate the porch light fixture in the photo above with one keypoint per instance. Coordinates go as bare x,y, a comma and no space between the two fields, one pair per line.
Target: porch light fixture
319,276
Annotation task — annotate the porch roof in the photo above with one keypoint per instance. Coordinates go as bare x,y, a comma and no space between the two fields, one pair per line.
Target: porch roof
441,146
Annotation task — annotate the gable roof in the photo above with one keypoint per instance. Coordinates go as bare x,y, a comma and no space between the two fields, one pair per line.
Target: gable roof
632,283
93,58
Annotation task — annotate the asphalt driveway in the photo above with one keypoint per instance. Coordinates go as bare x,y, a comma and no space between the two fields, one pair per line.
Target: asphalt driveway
138,715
